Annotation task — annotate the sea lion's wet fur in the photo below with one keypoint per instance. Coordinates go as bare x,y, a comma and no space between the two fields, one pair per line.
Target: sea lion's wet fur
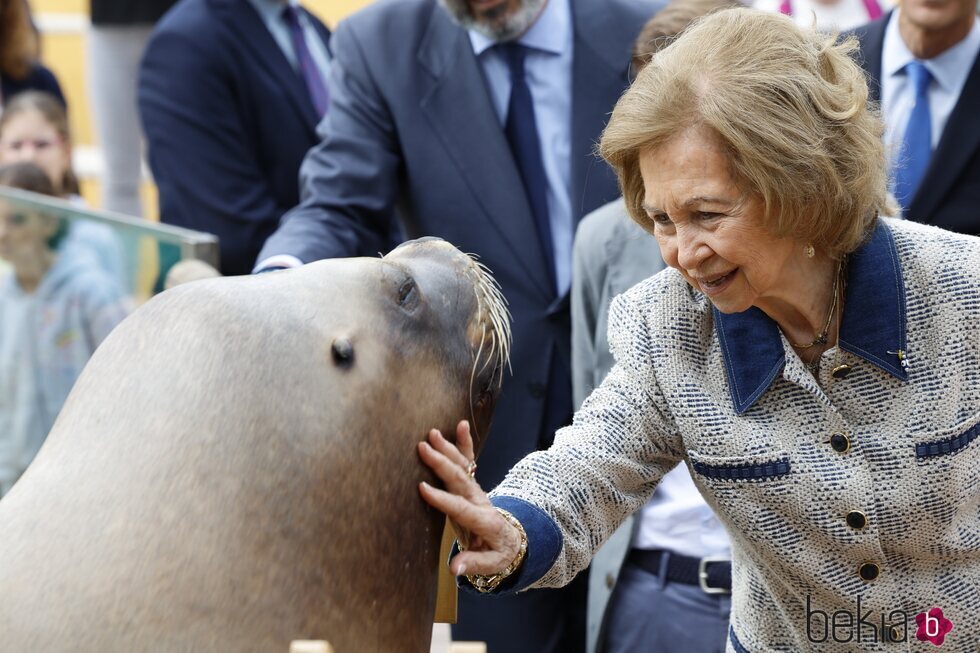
217,483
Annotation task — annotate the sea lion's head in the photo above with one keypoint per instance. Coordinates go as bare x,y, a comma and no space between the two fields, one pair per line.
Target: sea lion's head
452,295
425,316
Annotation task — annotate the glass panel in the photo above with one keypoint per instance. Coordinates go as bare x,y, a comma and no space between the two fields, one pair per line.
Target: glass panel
68,276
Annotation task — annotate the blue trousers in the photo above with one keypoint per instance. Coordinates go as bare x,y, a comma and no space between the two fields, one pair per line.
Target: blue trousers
649,615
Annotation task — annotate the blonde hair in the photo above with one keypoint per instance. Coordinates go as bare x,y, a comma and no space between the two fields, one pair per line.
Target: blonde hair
789,107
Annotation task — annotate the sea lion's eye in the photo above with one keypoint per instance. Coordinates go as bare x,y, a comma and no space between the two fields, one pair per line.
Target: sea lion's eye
407,293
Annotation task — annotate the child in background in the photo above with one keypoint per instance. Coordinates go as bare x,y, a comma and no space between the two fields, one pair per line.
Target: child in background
56,306
34,129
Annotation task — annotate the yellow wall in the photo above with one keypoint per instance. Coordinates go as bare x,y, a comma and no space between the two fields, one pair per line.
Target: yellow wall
64,53
60,6
331,11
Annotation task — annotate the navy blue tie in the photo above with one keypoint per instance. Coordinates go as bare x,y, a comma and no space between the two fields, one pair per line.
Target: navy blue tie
522,135
315,86
913,158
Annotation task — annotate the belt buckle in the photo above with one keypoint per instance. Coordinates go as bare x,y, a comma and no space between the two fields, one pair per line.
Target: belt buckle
703,575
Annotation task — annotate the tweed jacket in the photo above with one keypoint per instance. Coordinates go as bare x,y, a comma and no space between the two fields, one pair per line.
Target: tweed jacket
852,496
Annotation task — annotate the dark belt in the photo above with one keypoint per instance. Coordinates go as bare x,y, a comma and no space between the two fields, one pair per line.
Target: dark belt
712,574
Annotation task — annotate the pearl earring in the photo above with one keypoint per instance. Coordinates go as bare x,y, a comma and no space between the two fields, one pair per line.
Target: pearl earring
810,252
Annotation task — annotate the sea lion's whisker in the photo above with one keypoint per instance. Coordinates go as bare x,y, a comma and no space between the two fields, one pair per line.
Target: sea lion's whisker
491,298
495,338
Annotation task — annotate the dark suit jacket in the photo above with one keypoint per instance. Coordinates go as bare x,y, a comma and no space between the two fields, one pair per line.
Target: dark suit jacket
227,122
412,126
39,79
949,195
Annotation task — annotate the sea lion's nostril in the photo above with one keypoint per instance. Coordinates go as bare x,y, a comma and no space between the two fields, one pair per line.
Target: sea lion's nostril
343,352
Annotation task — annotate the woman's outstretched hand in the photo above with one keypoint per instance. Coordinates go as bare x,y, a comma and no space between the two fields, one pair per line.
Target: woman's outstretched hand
489,541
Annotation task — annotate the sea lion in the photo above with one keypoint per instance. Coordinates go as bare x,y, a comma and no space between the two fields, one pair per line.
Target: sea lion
236,467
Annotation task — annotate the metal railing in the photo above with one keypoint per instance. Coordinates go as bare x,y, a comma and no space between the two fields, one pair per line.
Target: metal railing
192,244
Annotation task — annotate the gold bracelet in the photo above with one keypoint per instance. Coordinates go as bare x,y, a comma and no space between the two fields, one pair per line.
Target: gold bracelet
490,582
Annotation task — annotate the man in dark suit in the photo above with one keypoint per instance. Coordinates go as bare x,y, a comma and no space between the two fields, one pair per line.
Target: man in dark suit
228,98
927,50
430,115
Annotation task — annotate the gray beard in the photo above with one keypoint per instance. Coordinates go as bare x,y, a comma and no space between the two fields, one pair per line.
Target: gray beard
498,25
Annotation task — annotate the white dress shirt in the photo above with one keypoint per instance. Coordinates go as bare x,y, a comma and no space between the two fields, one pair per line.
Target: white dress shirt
678,519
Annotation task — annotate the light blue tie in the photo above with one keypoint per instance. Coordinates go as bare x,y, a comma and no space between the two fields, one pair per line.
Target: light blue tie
913,158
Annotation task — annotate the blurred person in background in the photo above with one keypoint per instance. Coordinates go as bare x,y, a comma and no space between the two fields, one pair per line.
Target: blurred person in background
230,94
20,69
923,67
34,128
825,15
645,593
56,306
116,39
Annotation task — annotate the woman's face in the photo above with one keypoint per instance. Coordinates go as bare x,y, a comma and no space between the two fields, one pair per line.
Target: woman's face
29,137
707,228
24,235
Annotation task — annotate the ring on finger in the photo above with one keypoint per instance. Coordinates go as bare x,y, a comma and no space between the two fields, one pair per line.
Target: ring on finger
471,469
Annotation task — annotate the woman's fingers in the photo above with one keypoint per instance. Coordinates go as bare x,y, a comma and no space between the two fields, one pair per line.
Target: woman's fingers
446,448
464,441
490,543
491,549
456,478
474,518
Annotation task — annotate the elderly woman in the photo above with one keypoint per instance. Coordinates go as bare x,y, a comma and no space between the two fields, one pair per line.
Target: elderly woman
815,366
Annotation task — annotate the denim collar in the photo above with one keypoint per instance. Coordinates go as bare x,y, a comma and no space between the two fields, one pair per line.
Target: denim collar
873,327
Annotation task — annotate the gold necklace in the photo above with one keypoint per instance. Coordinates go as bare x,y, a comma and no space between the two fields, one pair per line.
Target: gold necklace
821,338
